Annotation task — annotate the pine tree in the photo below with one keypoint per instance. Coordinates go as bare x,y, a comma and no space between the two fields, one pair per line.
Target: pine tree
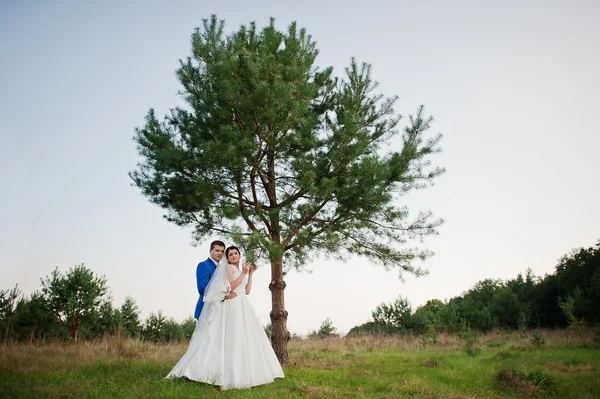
75,298
130,316
284,158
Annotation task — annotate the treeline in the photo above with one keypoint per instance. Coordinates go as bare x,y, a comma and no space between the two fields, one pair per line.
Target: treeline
77,306
569,297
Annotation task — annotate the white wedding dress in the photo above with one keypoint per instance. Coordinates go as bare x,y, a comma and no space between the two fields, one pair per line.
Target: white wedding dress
229,347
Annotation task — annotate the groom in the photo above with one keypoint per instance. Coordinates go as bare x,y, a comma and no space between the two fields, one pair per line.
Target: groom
205,270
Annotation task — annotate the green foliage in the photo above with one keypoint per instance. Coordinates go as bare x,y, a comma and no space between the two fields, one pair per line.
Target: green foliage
326,330
345,368
372,328
34,322
568,308
8,301
537,300
188,326
428,318
537,340
158,328
107,320
284,158
281,155
429,336
524,383
75,298
397,314
130,315
154,327
578,277
469,339
519,304
268,329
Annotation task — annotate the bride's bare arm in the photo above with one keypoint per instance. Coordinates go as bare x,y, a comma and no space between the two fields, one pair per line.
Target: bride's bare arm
249,285
237,281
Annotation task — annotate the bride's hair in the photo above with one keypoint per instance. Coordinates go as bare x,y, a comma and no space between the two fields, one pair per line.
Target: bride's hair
230,249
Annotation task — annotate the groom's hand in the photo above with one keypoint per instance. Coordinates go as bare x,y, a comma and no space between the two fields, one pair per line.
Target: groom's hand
230,295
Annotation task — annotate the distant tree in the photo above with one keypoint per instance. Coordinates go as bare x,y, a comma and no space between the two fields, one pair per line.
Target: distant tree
578,277
397,313
130,315
74,298
326,330
568,297
549,313
284,158
506,308
108,320
449,317
526,289
475,314
33,321
172,331
432,306
372,328
568,308
427,317
594,296
483,291
8,301
153,329
158,328
188,326
269,329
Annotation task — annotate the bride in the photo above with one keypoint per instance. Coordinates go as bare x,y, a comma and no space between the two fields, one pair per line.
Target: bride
229,347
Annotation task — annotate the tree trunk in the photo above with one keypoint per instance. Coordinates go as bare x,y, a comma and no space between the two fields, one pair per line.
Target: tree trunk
75,331
279,334
7,329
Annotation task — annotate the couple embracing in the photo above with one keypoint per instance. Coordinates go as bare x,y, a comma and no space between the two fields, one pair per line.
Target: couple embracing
229,347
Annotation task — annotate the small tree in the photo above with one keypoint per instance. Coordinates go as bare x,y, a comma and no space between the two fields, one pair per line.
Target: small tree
108,320
397,313
325,330
130,315
8,301
33,320
74,298
188,326
173,331
154,327
567,307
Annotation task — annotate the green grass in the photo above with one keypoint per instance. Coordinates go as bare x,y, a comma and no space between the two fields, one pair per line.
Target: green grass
567,365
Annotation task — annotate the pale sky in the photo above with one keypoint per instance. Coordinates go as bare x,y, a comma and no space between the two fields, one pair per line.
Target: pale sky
514,89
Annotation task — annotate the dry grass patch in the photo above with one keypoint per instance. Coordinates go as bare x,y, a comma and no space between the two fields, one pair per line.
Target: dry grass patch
318,391
61,355
431,363
572,368
526,385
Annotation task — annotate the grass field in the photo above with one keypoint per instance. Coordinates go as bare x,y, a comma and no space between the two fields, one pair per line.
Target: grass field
543,364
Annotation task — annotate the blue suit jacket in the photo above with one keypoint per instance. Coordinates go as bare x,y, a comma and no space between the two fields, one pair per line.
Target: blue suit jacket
204,272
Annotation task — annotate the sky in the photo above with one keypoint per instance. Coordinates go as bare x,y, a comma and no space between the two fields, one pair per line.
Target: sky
513,88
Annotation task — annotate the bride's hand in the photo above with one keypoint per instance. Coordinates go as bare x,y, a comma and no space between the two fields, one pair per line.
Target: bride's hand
253,268
246,267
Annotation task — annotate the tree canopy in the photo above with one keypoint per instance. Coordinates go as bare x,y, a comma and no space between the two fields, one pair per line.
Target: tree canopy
285,158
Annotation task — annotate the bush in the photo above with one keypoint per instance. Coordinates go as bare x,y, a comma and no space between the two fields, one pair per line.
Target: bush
326,330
